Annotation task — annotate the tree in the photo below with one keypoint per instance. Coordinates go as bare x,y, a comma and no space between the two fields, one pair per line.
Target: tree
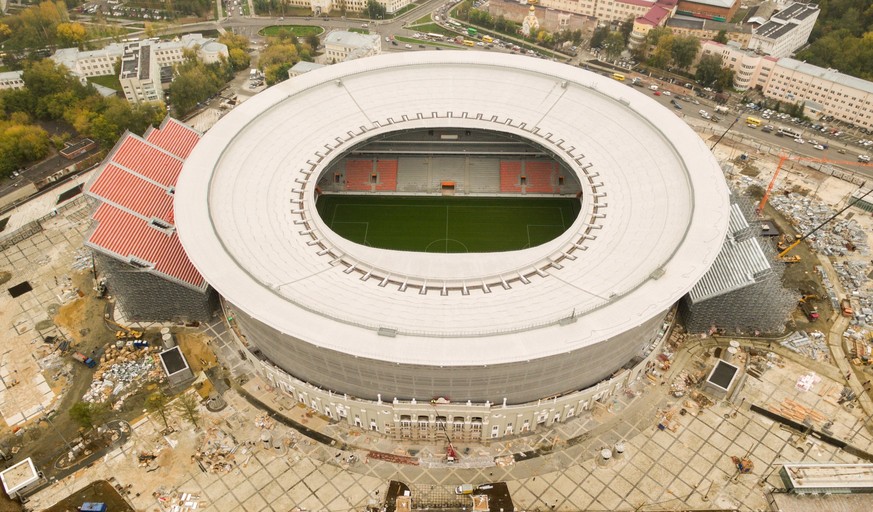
599,36
627,27
721,37
614,45
708,69
87,414
375,10
188,406
158,403
655,35
71,34
21,143
684,50
662,55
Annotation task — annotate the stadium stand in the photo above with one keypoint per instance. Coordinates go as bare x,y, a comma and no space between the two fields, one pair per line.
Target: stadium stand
447,169
413,175
540,177
484,175
510,172
387,171
358,175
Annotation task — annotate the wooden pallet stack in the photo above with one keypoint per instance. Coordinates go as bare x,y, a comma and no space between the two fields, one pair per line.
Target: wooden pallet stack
798,412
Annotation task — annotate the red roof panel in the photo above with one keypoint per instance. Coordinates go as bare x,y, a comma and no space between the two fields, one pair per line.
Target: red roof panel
174,137
126,190
148,161
127,236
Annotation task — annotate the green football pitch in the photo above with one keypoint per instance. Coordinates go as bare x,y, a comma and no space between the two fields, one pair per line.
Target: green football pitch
447,224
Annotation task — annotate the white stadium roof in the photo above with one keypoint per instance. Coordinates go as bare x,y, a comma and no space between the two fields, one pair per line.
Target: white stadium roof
654,211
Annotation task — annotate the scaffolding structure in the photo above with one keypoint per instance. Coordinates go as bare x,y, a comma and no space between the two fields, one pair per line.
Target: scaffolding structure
742,292
146,297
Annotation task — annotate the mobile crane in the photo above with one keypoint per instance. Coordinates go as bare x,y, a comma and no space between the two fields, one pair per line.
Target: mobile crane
783,158
791,246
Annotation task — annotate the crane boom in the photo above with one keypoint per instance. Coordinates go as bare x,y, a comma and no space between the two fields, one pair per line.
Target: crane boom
832,217
783,158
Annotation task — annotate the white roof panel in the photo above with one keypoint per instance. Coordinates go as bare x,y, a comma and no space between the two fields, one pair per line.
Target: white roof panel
654,200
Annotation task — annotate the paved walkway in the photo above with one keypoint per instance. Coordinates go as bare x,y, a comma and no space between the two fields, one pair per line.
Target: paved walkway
686,466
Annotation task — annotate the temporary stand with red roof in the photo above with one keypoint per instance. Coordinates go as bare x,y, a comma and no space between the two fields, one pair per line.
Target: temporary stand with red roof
134,236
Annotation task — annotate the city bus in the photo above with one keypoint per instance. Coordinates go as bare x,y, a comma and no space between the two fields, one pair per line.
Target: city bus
454,23
436,37
467,42
785,132
618,76
753,121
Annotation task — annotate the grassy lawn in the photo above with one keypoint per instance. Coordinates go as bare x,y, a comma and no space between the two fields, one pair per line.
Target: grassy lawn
297,30
424,19
448,224
110,81
433,28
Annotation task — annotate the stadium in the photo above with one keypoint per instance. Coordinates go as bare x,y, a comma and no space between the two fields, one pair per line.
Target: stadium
473,227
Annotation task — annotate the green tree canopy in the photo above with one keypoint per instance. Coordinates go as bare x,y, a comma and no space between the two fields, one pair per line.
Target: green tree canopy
708,69
684,51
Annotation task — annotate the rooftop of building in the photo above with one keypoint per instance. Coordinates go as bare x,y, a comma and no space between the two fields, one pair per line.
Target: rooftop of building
798,10
352,39
831,75
725,4
667,222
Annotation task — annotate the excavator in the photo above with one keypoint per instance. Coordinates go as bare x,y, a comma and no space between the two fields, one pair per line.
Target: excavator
123,332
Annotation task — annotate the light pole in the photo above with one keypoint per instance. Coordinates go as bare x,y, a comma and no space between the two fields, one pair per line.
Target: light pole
49,421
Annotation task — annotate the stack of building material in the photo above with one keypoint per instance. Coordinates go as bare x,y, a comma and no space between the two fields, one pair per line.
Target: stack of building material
217,452
120,368
798,412
813,345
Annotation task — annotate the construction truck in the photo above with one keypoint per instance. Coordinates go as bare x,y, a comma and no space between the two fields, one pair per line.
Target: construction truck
846,307
82,358
810,311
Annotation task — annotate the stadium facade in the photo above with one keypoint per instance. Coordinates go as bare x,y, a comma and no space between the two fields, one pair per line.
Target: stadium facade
481,345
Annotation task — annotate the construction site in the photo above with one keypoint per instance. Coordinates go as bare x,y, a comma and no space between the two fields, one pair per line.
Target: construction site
769,363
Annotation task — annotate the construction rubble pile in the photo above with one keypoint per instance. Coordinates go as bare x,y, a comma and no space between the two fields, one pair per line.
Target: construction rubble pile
813,345
122,369
841,239
835,239
759,363
218,451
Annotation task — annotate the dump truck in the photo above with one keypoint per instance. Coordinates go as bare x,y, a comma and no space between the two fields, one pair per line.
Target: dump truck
810,311
82,358
846,307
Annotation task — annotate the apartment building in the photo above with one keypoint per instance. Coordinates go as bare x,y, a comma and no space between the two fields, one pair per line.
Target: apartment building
845,97
718,10
11,80
706,30
751,70
341,46
166,53
326,6
140,74
786,31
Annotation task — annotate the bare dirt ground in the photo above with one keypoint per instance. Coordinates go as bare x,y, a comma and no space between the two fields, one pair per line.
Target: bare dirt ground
100,491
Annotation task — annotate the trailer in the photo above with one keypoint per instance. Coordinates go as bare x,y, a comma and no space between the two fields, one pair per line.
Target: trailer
82,358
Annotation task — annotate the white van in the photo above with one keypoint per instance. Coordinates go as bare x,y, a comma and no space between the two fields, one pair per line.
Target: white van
464,489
